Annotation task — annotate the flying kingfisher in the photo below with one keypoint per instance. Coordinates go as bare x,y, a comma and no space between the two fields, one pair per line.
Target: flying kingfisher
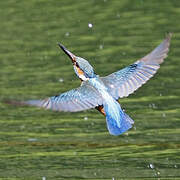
103,93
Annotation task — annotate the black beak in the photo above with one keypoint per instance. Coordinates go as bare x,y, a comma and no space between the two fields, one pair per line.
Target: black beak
71,55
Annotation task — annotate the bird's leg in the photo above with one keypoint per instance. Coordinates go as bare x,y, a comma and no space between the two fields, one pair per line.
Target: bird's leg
101,109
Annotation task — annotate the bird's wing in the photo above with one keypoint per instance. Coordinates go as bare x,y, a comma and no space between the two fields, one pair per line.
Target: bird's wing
126,81
79,99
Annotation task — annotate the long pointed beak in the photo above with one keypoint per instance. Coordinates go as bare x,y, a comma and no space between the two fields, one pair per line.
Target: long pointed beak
71,55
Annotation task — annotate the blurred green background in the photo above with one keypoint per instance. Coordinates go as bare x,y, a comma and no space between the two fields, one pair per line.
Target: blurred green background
40,144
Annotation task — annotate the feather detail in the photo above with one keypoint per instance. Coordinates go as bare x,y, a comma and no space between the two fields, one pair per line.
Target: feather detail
126,81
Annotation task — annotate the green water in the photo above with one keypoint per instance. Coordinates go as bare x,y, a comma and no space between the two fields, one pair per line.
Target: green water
36,143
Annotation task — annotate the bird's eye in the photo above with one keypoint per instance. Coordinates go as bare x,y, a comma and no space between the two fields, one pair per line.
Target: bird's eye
76,64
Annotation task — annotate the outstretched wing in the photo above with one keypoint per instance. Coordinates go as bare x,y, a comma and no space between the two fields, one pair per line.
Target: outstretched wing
126,81
82,98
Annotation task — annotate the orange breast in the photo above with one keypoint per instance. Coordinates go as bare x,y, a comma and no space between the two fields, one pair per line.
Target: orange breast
101,110
80,72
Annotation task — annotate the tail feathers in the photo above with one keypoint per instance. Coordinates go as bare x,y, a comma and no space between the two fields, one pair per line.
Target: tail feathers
128,118
118,122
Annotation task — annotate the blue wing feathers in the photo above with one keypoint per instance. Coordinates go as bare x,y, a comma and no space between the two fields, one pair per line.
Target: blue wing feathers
121,83
79,99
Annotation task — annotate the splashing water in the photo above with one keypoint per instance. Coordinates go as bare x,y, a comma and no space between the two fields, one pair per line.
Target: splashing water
90,25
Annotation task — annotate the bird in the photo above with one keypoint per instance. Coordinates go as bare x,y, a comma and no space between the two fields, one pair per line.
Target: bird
103,93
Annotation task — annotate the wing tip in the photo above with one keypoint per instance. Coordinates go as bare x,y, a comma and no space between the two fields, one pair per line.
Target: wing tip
158,55
15,103
169,36
24,103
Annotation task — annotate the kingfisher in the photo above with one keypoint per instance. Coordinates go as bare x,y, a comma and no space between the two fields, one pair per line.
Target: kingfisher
103,93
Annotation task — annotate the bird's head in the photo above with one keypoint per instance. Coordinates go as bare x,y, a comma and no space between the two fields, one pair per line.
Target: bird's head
82,67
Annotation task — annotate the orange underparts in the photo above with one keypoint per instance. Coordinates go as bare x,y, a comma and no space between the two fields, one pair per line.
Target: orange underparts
80,72
101,110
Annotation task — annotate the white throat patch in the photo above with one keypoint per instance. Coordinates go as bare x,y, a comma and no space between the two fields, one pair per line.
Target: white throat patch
83,77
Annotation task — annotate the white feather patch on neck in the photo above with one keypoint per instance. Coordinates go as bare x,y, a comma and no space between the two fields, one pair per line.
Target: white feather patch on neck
83,77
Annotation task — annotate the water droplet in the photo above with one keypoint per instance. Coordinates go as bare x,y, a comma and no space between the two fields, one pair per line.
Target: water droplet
101,46
67,34
32,139
22,127
126,133
90,25
151,166
153,106
163,115
61,80
85,118
118,15
43,178
113,178
175,166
